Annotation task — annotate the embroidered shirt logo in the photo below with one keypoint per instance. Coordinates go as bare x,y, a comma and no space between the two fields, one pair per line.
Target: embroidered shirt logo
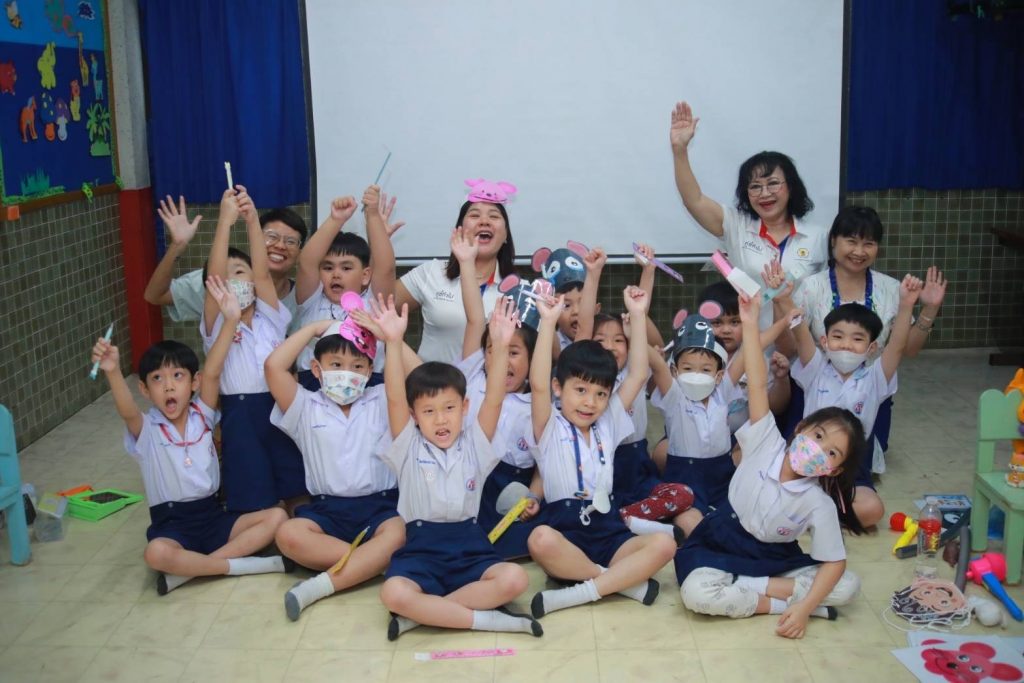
784,531
858,408
802,252
754,245
471,484
444,295
522,444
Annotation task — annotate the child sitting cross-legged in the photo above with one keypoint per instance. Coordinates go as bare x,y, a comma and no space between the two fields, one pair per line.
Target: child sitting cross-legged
448,573
190,533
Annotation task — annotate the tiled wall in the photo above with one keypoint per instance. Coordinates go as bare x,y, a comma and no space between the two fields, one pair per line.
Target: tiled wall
61,285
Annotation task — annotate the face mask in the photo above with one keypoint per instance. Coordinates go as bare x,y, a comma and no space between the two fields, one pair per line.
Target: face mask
245,291
846,361
807,458
696,386
342,386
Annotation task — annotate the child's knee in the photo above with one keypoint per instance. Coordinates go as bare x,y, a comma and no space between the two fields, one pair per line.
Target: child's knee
663,546
845,590
288,536
543,541
392,532
395,595
868,506
710,591
158,554
512,580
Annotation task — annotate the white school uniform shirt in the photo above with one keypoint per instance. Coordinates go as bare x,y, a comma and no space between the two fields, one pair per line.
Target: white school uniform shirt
173,473
437,485
695,430
188,294
815,298
340,452
513,437
805,253
563,341
318,307
777,512
556,455
638,413
444,315
243,367
861,393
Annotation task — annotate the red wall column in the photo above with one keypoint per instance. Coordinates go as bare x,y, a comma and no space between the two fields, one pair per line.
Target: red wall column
138,245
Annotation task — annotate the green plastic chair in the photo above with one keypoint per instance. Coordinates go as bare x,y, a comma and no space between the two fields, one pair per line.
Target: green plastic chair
11,501
997,421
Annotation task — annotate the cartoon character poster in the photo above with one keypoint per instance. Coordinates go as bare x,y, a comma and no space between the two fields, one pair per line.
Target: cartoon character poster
962,659
56,126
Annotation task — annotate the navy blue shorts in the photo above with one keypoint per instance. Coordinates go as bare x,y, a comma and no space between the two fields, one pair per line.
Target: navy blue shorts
708,477
344,518
198,525
600,540
261,464
512,543
310,383
721,542
442,557
634,473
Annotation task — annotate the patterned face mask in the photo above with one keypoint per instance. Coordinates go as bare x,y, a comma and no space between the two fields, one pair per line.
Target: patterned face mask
343,386
807,458
245,291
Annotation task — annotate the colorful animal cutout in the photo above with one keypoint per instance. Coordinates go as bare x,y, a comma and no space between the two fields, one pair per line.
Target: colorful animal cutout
27,123
45,64
481,190
971,663
562,266
8,77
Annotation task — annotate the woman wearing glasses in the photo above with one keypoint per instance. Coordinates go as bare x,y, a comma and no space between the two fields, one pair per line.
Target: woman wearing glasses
765,225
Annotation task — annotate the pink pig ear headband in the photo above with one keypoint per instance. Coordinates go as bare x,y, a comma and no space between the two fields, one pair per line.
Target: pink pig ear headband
361,337
481,190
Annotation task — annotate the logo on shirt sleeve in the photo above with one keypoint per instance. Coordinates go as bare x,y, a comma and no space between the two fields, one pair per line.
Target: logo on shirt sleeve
471,484
784,531
522,444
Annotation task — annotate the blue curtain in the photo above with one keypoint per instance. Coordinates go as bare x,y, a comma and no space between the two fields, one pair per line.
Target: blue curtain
225,83
934,102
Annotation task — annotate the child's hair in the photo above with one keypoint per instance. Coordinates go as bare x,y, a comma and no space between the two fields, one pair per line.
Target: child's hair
762,164
605,318
168,354
855,221
506,254
723,294
528,335
703,352
232,253
431,378
588,361
289,218
857,314
567,287
842,486
350,244
335,343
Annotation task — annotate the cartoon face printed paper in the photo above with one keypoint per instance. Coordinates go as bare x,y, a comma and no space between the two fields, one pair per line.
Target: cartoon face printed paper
524,294
362,338
561,267
481,190
931,602
972,662
695,331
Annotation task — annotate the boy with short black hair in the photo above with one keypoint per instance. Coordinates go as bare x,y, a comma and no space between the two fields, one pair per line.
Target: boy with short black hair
190,534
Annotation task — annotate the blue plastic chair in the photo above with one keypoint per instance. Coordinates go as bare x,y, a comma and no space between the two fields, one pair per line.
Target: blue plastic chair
11,501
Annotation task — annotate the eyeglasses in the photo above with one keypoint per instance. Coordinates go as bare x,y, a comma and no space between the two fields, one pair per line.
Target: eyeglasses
757,189
271,238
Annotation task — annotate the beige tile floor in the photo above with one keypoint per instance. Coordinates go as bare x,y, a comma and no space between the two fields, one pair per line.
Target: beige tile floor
86,607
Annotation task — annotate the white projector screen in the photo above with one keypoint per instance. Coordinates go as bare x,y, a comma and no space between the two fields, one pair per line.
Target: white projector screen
569,100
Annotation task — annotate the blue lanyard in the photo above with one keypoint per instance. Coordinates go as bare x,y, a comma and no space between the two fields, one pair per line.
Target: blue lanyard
868,288
581,492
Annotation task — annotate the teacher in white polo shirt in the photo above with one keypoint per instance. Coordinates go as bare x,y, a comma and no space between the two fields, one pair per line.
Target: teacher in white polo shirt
434,287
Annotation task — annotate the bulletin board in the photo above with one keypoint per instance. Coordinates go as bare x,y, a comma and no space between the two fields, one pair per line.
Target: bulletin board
56,105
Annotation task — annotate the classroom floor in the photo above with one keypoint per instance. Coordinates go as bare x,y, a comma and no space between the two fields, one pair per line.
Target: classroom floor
86,607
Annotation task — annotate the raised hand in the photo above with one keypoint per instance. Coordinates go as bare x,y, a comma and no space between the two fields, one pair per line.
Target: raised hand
342,208
391,323
365,321
371,198
750,308
934,290
645,257
910,290
550,308
246,207
229,205
107,354
773,275
779,365
225,298
684,126
175,219
504,321
636,300
594,260
464,247
386,207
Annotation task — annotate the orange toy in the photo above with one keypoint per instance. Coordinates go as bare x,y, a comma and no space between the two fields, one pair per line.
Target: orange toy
1015,476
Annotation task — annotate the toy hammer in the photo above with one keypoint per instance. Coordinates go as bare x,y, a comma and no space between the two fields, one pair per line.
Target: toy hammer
990,569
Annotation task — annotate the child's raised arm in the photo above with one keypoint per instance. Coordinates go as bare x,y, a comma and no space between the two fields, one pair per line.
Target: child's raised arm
636,301
910,290
648,270
308,276
218,261
593,261
753,357
266,290
502,327
465,250
382,253
109,359
209,385
392,326
278,366
660,371
766,339
540,368
158,289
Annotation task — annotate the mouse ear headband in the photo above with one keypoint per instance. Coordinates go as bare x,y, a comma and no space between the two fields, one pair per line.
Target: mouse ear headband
524,295
360,337
695,331
481,190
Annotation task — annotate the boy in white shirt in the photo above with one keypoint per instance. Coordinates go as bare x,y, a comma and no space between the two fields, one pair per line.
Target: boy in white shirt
190,534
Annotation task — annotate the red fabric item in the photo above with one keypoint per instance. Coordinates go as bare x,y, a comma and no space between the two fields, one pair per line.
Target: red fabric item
666,501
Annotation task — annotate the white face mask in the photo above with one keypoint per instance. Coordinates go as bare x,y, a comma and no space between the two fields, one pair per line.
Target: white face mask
845,361
245,291
343,386
696,386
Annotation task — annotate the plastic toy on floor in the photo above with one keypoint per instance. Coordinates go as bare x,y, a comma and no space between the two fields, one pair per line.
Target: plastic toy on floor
989,570
900,522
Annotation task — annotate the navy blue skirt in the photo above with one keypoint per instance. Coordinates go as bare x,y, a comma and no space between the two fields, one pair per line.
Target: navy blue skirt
721,542
634,473
708,478
512,543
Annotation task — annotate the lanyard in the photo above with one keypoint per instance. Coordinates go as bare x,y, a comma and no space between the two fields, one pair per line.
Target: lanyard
581,492
868,288
186,444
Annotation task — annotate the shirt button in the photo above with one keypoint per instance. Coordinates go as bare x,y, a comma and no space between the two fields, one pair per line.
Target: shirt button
170,505
419,523
733,515
241,397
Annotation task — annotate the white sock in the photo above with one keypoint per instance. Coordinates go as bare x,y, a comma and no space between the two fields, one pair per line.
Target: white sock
548,601
238,566
824,612
642,527
165,583
497,620
778,606
399,625
644,592
759,584
306,593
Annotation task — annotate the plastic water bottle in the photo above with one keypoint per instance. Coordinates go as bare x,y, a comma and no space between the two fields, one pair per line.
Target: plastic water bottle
929,529
48,527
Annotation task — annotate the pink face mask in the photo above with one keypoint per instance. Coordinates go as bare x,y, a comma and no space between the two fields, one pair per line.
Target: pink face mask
807,458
